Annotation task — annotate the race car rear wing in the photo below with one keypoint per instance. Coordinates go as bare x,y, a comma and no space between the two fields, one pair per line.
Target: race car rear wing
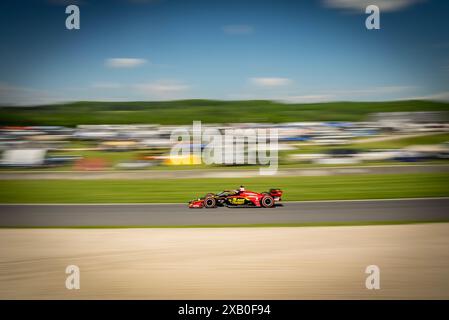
275,192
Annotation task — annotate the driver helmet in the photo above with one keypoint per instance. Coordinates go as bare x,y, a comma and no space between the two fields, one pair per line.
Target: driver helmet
242,189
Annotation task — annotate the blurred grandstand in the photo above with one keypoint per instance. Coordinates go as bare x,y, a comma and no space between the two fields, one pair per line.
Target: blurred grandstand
401,137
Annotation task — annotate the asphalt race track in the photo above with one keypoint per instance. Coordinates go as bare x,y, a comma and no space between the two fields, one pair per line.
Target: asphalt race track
34,215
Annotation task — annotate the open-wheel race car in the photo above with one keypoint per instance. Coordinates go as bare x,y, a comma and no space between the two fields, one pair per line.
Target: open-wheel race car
238,198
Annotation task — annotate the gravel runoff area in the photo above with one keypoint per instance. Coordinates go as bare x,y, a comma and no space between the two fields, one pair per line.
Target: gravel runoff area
228,263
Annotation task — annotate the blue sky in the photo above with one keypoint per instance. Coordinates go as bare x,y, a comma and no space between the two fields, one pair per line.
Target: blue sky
295,51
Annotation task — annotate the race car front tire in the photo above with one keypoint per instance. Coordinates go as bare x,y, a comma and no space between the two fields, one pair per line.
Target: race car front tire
210,202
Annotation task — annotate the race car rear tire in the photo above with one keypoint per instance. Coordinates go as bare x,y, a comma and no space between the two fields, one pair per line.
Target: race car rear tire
210,202
267,201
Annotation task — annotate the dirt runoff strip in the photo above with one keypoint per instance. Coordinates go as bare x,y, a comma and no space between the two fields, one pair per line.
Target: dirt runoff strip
247,263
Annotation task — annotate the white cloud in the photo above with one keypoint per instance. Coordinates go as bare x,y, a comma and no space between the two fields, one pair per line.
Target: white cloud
270,82
162,89
308,98
106,85
441,96
360,5
23,96
238,29
124,62
373,91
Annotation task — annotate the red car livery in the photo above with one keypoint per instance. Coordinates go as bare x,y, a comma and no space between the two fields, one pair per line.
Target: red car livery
238,199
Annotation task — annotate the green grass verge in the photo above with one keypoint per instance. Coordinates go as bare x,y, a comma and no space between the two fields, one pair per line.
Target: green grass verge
266,225
182,190
212,111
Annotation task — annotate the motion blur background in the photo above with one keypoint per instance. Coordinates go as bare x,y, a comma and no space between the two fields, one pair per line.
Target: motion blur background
85,123
100,102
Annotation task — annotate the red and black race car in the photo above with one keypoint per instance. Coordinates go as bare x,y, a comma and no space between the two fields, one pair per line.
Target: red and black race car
238,199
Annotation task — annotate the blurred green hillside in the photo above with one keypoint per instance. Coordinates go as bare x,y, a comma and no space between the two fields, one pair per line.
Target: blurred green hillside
208,111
